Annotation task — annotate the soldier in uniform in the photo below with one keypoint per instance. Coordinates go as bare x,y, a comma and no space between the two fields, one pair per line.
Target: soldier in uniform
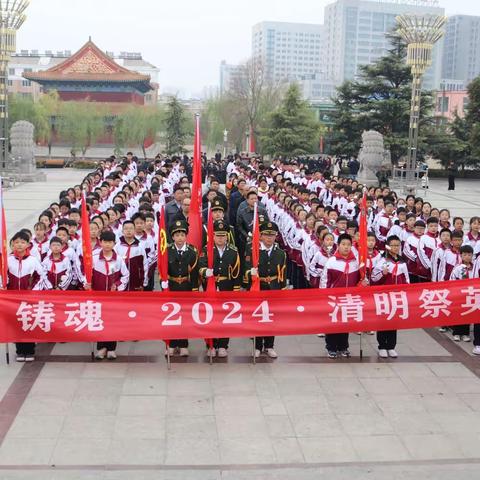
182,272
218,213
271,270
226,270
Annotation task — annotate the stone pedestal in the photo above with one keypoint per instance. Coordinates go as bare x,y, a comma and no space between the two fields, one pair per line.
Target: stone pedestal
372,157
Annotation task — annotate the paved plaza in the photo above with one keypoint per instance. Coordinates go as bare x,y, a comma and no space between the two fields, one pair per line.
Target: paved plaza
301,416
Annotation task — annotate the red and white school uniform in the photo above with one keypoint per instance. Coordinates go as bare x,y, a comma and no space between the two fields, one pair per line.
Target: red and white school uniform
136,261
40,249
426,246
59,271
109,272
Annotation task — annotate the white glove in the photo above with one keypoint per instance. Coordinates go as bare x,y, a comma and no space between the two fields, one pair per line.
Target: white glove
209,273
250,234
164,285
254,272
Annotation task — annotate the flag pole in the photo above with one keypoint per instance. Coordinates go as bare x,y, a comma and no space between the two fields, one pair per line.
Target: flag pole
3,252
211,280
255,286
363,249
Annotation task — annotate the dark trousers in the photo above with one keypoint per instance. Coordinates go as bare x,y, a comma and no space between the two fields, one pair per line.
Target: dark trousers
387,340
336,342
476,334
451,182
264,342
110,346
181,343
220,342
25,348
461,330
151,283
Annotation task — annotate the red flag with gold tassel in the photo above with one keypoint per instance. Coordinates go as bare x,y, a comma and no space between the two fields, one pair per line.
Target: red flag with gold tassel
86,242
210,250
162,254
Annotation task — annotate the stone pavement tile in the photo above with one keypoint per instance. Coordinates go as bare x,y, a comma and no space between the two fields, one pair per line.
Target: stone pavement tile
189,370
62,370
90,404
391,403
241,426
426,447
146,370
101,387
192,451
462,384
233,386
88,427
365,424
72,348
143,427
287,450
426,385
199,427
163,475
105,370
335,370
456,370
267,386
439,402
46,405
472,400
356,404
316,425
36,426
273,405
327,449
390,385
380,448
144,386
193,405
57,387
83,451
467,442
300,386
414,423
187,386
285,370
136,451
454,422
339,386
244,451
373,370
304,405
279,426
241,405
142,405
26,451
412,370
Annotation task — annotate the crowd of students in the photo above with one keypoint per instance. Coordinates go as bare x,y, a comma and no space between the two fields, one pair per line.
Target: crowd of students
309,239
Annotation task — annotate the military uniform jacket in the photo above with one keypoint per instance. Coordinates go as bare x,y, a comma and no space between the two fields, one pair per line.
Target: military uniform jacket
231,235
182,269
226,268
271,268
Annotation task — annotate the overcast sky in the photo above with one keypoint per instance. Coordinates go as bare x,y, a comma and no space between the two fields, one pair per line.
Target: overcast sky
186,39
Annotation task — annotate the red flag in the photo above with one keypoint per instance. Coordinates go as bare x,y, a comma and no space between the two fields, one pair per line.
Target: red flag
195,216
210,250
3,241
255,287
86,242
362,237
162,254
252,140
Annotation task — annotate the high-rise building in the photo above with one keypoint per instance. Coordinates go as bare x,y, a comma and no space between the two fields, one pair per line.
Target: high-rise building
355,35
230,75
461,51
288,50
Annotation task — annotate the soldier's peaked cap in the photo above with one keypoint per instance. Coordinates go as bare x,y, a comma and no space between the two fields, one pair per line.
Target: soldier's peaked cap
179,226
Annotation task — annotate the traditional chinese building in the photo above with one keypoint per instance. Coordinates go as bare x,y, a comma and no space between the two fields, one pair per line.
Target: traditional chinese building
91,75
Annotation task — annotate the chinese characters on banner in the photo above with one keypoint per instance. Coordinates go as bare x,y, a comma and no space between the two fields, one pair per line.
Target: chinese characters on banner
76,316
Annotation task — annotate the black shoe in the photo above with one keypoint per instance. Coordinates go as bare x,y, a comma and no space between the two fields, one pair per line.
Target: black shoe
332,354
345,353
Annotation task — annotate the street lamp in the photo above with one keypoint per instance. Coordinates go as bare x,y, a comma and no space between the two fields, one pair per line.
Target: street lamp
12,16
247,146
225,142
420,32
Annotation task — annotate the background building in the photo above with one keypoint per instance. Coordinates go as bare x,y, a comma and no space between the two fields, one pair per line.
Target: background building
461,53
288,50
229,75
355,34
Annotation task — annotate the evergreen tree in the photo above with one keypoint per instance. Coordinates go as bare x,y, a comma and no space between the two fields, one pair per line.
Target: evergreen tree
292,129
175,127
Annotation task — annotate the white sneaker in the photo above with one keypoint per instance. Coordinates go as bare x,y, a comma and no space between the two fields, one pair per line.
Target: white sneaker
321,335
257,353
392,353
456,338
382,353
222,352
371,332
29,358
184,352
101,354
465,338
476,350
170,351
271,353
442,329
21,358
111,355
211,352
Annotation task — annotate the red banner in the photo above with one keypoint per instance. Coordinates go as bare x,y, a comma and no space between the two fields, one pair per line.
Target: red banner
78,316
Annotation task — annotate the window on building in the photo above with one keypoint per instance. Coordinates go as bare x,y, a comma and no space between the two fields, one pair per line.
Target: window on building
26,83
27,70
11,71
10,83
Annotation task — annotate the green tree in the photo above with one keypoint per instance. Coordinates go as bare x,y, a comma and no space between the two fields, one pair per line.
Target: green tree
293,129
175,122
